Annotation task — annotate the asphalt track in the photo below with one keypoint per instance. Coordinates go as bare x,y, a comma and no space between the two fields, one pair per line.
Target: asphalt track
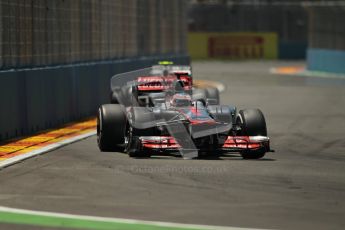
301,186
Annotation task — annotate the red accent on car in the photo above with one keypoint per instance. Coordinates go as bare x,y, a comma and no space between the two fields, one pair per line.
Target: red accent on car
243,142
187,81
197,116
160,83
152,87
151,83
159,142
232,142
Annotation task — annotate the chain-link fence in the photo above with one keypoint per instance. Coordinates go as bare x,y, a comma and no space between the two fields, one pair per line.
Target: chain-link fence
327,29
54,32
287,18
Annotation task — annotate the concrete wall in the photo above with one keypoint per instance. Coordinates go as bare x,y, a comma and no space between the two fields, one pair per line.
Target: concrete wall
42,98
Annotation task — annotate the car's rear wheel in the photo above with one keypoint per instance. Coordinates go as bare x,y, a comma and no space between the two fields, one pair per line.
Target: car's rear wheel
111,122
200,95
252,123
213,94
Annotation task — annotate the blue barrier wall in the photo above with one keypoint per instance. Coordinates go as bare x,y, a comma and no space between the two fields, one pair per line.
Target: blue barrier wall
326,60
37,99
292,50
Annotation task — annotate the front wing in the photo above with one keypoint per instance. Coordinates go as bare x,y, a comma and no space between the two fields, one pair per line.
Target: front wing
231,144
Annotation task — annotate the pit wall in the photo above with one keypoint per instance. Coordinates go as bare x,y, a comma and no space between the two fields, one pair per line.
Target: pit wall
41,98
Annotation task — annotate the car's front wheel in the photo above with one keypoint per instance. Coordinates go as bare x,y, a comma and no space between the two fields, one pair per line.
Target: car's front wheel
252,123
111,122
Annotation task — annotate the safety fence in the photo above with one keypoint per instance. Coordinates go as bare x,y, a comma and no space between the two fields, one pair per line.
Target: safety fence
287,19
326,27
55,32
326,51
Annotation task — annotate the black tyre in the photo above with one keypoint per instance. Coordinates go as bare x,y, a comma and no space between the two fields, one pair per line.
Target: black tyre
200,95
213,94
252,123
111,123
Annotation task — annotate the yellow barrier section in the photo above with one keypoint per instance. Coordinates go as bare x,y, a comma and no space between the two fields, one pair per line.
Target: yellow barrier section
28,144
288,70
233,45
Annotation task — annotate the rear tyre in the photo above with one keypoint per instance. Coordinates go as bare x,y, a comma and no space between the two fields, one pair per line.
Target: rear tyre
200,95
213,93
252,123
111,123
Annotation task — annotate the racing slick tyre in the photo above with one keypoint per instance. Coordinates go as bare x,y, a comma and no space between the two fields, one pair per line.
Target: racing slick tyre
111,123
213,93
200,95
136,117
252,123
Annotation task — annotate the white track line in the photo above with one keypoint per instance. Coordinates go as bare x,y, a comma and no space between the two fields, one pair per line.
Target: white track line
48,148
118,220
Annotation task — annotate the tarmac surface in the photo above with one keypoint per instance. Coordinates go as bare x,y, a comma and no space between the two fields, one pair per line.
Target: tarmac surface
301,186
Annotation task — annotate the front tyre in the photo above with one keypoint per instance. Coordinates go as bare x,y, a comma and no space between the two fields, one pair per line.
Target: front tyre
111,124
252,123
